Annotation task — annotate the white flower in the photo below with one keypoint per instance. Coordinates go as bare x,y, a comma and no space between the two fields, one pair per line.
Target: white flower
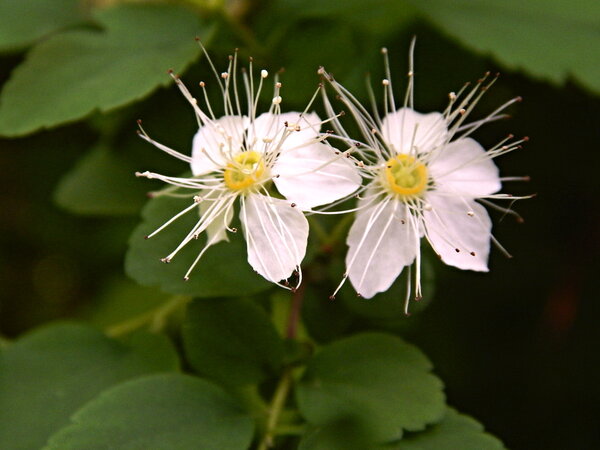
425,178
238,158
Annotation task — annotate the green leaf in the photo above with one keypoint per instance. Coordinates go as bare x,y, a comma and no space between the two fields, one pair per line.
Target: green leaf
71,74
26,21
455,431
50,373
231,340
102,183
549,39
376,379
223,270
167,411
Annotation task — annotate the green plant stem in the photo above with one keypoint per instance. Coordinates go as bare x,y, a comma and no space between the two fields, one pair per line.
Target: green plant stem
339,231
275,408
293,430
156,318
295,308
329,240
252,400
319,230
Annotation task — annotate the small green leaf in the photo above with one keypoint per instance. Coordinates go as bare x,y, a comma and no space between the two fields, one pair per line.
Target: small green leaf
378,380
25,21
231,340
50,373
102,183
71,74
223,270
455,431
167,411
549,39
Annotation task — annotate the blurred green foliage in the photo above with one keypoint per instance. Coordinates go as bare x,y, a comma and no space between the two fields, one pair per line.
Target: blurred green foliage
514,347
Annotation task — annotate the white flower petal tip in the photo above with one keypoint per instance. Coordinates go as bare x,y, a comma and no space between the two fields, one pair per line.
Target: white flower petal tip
426,178
239,158
459,232
381,243
407,130
276,236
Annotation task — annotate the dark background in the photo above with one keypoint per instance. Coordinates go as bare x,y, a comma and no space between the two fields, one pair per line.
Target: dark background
517,348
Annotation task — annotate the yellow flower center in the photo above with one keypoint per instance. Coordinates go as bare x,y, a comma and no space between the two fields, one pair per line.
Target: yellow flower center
405,175
244,171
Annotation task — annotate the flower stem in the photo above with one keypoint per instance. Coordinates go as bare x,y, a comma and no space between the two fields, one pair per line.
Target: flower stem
319,229
294,317
292,430
275,408
280,395
339,231
156,318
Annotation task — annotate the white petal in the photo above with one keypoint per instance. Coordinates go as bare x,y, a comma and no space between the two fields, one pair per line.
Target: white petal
314,175
276,236
381,242
406,126
459,224
217,230
271,127
225,134
464,168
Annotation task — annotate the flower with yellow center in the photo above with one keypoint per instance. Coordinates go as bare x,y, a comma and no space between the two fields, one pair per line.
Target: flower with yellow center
425,178
405,176
240,160
245,171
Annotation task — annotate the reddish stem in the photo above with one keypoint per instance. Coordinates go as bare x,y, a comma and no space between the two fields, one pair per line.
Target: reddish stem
294,318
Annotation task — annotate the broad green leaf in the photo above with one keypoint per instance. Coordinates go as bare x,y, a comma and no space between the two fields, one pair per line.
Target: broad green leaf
222,271
231,340
102,183
168,411
550,39
50,373
455,431
375,379
74,73
25,21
